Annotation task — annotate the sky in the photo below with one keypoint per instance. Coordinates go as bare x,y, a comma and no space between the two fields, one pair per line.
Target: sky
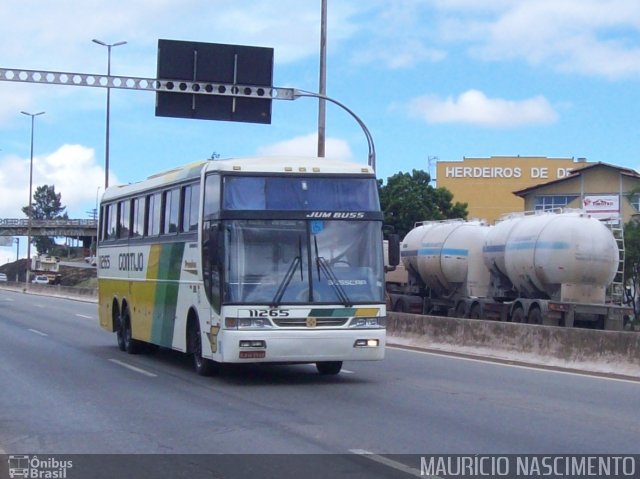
431,79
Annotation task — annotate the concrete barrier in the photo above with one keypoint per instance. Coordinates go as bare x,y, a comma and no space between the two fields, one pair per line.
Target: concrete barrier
83,294
615,351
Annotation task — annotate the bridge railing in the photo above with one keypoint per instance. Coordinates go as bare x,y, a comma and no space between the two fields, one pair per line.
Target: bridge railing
24,222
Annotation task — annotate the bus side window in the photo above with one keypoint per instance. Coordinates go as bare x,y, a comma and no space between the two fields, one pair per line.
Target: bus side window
211,263
153,215
189,214
112,221
124,226
212,197
138,218
171,210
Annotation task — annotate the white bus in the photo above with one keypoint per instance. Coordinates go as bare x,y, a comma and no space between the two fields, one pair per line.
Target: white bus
275,260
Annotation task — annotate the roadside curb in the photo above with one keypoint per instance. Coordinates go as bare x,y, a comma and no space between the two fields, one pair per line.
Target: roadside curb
64,292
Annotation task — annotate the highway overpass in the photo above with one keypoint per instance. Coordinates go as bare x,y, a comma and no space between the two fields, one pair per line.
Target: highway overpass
63,227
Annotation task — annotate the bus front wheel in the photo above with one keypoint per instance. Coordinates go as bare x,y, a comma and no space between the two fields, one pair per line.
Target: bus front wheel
203,366
329,367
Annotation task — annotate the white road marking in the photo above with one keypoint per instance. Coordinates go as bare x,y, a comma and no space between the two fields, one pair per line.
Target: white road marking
500,362
133,368
390,463
346,371
84,316
37,332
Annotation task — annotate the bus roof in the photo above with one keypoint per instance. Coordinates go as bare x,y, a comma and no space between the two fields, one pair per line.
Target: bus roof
259,164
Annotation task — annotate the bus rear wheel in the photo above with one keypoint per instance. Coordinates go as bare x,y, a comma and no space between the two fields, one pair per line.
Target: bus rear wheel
327,368
132,346
120,334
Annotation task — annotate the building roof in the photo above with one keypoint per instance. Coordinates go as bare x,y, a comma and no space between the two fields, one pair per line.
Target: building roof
577,172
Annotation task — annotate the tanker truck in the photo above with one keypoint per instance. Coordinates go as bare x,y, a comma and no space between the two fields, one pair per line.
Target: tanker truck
539,268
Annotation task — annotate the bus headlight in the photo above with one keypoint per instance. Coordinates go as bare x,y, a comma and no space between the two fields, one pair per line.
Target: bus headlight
363,323
366,343
247,323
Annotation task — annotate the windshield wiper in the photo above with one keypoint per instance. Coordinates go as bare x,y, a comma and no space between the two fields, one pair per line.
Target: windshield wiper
322,264
284,284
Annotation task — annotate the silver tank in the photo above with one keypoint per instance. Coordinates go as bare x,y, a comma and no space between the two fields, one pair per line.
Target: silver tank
448,256
553,254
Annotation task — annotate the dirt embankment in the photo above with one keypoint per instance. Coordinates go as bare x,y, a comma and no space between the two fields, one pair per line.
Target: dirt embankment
70,276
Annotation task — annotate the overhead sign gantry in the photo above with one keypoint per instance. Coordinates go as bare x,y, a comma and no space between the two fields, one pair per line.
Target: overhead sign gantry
239,77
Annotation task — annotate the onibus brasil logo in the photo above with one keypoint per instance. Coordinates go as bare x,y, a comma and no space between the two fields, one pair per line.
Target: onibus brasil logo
36,468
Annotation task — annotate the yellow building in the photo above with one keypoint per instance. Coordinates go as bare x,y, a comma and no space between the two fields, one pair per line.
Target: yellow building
605,191
487,184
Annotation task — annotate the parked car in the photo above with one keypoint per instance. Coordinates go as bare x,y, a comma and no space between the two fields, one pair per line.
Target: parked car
3,278
40,279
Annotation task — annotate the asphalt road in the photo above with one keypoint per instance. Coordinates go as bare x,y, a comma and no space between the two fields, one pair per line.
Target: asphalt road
65,388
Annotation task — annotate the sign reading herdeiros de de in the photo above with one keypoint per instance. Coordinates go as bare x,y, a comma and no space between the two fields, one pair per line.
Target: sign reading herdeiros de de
523,169
539,173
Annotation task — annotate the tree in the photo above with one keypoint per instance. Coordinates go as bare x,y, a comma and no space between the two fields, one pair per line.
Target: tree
46,205
408,198
632,262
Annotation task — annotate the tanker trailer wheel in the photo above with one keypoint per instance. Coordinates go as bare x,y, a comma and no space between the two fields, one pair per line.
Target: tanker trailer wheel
461,310
475,311
518,315
535,316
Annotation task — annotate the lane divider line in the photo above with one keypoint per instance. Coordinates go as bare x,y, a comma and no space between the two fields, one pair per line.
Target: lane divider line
398,466
84,316
133,368
35,331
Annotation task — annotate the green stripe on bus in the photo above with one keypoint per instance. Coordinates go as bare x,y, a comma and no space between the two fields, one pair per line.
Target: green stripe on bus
166,297
327,313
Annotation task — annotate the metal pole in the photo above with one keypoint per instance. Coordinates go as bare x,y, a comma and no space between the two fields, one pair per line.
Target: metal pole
30,208
323,80
372,149
106,146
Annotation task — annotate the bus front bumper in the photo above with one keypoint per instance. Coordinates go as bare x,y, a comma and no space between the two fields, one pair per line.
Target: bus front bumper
280,346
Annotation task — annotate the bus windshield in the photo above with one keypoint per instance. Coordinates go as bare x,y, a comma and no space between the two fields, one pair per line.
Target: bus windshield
300,193
300,261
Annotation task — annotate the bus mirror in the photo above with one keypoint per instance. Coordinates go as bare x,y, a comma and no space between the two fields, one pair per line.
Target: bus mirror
394,249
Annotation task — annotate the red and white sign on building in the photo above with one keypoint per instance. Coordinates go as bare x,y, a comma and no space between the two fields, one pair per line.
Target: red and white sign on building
602,206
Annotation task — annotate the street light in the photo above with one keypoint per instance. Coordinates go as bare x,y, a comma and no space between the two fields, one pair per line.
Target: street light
32,115
17,241
106,148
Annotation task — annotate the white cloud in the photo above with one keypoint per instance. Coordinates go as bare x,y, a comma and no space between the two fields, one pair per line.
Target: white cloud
474,107
56,36
592,37
73,169
397,36
308,146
